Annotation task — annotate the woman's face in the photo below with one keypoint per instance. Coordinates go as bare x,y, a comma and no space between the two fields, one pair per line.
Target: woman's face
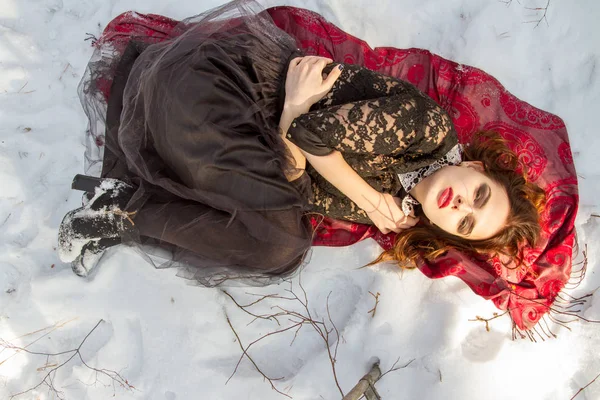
464,201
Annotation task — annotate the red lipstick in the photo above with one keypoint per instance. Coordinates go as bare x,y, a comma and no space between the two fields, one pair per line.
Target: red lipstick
445,198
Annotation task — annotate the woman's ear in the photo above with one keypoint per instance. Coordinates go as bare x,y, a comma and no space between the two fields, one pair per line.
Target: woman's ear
476,165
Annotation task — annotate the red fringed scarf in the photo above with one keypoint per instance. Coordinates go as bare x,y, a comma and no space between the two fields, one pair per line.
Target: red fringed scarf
475,101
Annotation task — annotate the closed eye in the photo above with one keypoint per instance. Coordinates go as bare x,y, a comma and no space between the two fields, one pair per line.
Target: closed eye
482,195
466,225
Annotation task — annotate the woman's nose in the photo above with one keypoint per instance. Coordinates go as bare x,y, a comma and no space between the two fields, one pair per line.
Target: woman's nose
459,203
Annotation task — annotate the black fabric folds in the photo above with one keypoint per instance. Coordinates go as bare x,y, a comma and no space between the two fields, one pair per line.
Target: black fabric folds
192,123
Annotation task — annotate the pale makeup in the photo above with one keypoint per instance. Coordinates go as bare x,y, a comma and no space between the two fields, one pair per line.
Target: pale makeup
464,201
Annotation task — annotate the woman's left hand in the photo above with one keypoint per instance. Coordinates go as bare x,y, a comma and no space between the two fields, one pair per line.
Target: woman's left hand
387,215
305,83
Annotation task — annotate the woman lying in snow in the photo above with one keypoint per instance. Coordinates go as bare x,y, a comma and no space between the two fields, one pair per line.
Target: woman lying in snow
221,142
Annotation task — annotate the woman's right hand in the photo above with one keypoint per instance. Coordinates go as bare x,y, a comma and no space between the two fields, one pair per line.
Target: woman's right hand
305,83
387,215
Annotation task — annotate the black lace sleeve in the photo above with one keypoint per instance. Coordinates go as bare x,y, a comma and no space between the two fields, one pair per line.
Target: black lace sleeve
382,126
359,83
368,113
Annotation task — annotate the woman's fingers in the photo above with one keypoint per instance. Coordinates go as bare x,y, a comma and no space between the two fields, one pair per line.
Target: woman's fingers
296,61
408,221
392,218
323,61
334,74
316,59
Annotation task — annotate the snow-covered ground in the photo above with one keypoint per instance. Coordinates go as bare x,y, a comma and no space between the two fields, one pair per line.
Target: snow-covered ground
172,341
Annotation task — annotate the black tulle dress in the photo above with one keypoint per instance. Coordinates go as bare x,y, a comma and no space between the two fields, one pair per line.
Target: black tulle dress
192,125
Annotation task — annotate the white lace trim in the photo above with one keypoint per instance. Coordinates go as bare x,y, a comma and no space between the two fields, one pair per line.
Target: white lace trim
409,180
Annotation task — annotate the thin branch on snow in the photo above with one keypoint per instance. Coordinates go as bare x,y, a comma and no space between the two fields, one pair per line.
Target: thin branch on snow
585,387
54,366
394,368
49,330
20,91
538,21
245,307
487,320
374,309
325,329
245,353
507,2
543,18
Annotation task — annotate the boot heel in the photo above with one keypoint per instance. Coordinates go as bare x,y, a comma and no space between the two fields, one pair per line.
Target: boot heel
85,183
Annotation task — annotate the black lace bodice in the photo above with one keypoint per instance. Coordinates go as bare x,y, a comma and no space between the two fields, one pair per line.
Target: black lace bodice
382,126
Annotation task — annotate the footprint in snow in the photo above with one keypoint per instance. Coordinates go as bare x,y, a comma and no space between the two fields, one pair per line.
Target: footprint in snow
482,346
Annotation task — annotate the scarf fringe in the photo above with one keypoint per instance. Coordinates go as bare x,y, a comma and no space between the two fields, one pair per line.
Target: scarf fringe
564,310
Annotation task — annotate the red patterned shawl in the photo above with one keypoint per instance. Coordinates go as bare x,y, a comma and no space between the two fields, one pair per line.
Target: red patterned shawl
475,101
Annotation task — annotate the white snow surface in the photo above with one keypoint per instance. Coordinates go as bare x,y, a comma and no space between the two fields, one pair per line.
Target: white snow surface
171,340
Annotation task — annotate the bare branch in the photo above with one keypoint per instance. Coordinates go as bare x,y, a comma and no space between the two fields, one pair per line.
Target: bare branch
50,329
244,307
394,368
374,309
538,21
48,379
585,387
332,357
244,351
543,18
487,320
297,320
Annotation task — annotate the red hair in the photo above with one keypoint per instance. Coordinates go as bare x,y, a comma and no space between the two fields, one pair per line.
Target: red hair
527,200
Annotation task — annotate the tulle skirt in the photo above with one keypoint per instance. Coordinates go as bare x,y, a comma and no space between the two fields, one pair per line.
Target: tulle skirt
192,123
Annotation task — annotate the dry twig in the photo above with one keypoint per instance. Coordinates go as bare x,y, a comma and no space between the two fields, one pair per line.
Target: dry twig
64,71
50,329
244,308
508,2
6,219
487,320
297,320
543,18
585,387
374,309
20,91
245,353
48,379
394,368
537,22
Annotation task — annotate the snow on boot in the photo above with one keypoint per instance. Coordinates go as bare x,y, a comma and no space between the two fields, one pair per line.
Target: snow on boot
90,255
101,218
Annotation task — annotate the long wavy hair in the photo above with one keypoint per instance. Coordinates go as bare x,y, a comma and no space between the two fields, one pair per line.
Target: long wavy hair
527,201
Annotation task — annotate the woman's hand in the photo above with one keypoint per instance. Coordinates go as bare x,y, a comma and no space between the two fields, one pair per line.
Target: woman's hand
387,215
305,83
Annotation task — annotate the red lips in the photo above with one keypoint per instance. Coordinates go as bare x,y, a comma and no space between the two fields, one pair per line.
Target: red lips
445,198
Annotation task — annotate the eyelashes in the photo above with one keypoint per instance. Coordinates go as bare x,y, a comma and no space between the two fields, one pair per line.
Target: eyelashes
466,225
482,196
